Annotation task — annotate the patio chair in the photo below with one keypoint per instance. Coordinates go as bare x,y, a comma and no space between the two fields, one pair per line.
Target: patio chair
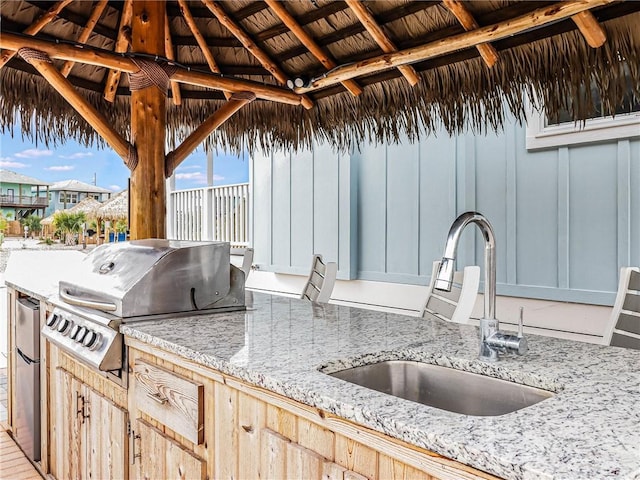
247,262
456,305
321,280
624,324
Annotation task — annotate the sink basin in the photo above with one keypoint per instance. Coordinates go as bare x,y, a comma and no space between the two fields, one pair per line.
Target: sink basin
444,388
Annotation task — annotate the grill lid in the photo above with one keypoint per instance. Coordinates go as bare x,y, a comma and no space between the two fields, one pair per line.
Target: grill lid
151,276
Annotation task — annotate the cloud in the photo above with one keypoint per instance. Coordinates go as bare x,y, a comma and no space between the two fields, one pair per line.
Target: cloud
198,178
7,163
115,188
60,168
77,155
188,167
34,153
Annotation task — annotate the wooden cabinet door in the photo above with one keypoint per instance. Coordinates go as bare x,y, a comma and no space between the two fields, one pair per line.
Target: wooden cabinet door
69,447
159,456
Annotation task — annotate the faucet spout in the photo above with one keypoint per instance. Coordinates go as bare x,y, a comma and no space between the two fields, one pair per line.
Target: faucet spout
444,278
492,340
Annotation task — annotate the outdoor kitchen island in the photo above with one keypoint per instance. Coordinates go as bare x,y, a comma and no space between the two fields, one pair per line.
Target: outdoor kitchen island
240,394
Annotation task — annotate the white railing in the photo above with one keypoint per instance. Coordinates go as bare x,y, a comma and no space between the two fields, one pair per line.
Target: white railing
211,213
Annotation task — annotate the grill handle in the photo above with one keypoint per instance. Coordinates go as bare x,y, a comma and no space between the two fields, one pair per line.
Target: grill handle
67,297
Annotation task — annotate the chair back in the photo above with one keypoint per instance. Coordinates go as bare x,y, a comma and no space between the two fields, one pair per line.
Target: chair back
321,280
624,325
456,305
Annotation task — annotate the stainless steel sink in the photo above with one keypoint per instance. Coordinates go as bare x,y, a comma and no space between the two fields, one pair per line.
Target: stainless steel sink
444,388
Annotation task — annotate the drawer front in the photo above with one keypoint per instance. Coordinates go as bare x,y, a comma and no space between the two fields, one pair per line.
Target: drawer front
171,399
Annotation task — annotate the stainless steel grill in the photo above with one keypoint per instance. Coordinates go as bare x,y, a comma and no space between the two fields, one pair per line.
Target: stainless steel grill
136,281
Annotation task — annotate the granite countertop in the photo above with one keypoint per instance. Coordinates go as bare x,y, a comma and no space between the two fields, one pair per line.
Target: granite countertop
589,429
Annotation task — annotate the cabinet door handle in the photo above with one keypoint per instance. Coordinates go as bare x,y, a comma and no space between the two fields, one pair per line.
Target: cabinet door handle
158,397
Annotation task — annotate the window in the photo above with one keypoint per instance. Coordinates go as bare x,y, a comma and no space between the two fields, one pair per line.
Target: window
543,132
69,197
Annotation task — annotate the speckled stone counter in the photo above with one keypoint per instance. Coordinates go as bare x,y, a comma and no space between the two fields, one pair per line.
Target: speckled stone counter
590,429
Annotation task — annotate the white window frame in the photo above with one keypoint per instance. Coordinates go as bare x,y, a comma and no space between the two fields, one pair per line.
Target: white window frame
594,130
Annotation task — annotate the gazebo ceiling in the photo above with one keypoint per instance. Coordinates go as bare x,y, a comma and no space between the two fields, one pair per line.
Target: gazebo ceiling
364,70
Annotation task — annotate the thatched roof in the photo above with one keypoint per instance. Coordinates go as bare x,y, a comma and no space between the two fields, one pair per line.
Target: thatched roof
116,208
549,64
88,206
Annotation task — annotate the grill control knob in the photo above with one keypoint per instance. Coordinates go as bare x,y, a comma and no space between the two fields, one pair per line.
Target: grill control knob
91,340
64,326
82,331
75,331
53,320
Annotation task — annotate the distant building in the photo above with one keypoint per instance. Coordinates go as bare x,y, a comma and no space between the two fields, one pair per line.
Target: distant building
68,193
21,196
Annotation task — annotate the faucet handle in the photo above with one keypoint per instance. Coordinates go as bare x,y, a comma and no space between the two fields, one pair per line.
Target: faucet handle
521,323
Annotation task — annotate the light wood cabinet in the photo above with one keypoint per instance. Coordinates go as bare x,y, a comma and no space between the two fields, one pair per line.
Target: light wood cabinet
91,432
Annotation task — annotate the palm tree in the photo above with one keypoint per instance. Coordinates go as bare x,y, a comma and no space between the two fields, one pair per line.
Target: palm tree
33,222
69,224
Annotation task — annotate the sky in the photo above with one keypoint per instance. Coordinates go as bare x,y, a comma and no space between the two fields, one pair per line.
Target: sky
74,161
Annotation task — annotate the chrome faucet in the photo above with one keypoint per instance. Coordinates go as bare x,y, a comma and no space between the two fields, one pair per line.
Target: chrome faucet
492,340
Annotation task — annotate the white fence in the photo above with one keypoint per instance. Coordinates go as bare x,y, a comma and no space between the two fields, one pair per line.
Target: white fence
211,213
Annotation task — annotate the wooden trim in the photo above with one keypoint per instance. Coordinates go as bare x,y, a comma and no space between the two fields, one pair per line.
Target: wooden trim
457,8
84,108
122,45
591,30
272,67
101,58
386,44
168,51
537,18
226,111
36,26
316,50
186,14
96,13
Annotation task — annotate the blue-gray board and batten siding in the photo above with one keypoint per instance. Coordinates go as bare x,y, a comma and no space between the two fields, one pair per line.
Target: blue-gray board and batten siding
566,219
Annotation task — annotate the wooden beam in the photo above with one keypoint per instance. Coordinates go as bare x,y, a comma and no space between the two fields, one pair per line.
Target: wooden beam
36,26
591,30
102,58
226,111
168,51
329,63
386,44
487,51
122,44
184,8
490,33
147,195
96,13
84,108
248,43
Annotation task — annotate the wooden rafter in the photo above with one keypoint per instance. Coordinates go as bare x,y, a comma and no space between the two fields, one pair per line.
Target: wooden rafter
244,38
101,58
457,8
591,30
382,39
226,111
96,13
168,51
537,18
316,50
186,13
122,44
36,26
84,108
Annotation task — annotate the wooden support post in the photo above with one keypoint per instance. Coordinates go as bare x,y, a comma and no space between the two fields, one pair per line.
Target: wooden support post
591,30
490,33
96,13
292,24
168,51
386,44
147,194
92,56
487,51
84,108
122,44
38,25
235,103
248,43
